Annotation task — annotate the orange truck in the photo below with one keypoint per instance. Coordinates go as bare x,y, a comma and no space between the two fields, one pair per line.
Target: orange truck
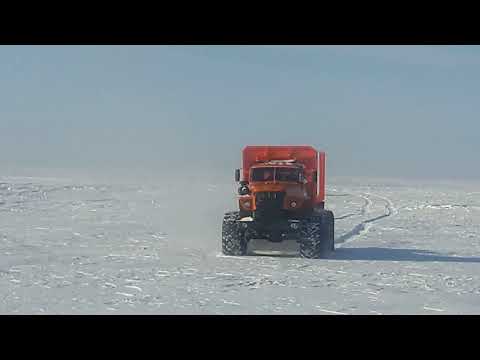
281,197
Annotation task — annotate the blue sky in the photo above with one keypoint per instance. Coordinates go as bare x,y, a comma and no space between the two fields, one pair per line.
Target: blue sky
408,111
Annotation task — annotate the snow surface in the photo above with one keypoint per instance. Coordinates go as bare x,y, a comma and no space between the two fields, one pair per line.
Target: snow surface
70,247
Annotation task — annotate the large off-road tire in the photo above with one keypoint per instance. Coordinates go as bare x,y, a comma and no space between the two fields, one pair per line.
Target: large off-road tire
331,230
310,238
317,236
329,223
233,239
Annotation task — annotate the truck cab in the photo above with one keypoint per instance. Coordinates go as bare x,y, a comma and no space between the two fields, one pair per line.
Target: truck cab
275,185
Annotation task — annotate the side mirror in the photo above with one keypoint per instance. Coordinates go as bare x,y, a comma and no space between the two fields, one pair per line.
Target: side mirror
237,175
315,176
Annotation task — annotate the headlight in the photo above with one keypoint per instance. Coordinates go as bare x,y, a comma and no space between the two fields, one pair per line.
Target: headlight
293,204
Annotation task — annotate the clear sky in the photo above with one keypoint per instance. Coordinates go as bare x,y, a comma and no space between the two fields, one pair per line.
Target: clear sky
409,111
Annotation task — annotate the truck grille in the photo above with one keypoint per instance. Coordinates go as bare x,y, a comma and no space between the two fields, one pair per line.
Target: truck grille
269,199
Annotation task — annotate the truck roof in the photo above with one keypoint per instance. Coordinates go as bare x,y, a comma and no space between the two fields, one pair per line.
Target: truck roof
279,155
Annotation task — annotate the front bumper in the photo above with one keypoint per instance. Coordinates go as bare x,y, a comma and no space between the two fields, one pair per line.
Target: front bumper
284,228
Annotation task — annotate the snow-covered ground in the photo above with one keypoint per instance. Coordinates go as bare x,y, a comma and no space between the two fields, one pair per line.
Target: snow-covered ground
71,247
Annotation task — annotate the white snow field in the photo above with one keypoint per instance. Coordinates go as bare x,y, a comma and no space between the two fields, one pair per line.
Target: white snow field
72,247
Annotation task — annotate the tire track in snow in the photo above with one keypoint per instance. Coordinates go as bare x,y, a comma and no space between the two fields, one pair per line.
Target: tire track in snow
363,210
365,225
366,208
346,216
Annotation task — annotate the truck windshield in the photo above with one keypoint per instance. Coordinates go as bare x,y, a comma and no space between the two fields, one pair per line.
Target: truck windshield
279,174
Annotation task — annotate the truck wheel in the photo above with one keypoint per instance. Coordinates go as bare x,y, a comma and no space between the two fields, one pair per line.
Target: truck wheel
328,232
310,238
318,236
233,239
331,229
